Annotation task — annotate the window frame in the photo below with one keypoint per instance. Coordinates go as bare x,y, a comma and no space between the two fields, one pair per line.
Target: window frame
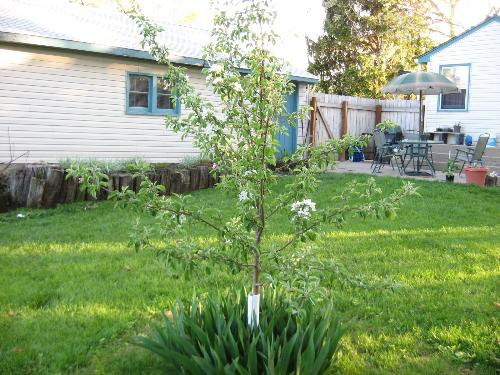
467,94
152,98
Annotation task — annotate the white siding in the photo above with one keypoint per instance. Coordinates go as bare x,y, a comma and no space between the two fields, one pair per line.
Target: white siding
58,105
304,100
481,49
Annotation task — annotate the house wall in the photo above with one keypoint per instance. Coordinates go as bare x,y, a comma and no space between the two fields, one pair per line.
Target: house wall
57,104
480,49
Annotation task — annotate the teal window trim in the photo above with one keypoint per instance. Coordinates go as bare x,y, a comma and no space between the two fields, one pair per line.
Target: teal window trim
296,104
467,95
152,98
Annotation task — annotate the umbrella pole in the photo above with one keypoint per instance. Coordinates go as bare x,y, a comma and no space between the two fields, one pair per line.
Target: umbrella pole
420,127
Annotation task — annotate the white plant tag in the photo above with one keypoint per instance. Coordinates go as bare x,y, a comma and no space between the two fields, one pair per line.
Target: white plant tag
253,309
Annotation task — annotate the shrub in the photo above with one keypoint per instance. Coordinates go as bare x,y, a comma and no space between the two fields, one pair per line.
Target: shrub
190,161
107,166
213,337
386,125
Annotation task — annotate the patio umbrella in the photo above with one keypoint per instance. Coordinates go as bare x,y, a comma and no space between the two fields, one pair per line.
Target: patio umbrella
421,83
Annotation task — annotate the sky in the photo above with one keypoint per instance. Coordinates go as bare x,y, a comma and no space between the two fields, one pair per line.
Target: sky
296,19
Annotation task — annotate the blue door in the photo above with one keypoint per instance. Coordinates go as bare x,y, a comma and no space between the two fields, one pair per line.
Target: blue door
288,142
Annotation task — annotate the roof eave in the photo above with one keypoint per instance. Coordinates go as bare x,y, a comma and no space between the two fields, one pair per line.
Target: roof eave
40,41
425,58
33,40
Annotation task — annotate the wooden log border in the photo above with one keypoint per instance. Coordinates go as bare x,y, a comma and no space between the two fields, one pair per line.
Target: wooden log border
38,186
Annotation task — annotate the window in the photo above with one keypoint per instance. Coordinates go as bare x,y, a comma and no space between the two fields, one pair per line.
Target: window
138,96
149,94
458,74
164,97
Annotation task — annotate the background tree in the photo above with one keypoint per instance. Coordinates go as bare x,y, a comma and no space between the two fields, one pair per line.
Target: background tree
366,42
443,12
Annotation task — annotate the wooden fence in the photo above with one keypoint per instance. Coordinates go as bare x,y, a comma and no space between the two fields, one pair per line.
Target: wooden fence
332,116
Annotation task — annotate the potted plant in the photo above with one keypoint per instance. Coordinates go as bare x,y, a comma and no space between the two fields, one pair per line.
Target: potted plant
491,179
476,174
386,125
389,128
451,168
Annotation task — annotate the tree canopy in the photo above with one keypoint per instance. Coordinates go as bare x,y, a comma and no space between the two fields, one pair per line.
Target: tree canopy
367,42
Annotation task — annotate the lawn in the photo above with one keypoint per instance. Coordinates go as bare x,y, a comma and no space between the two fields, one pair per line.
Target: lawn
73,295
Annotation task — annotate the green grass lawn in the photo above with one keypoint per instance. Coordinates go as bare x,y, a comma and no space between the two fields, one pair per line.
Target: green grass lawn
73,295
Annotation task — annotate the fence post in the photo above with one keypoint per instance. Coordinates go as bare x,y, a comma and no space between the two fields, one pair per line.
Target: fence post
343,128
312,130
378,114
423,120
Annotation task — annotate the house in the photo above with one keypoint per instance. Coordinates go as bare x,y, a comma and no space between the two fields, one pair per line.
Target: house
75,83
472,61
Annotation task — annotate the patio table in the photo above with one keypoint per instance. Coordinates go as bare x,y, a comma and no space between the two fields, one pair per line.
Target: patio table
417,152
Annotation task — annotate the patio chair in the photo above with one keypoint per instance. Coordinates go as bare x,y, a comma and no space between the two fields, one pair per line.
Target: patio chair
411,135
472,154
386,153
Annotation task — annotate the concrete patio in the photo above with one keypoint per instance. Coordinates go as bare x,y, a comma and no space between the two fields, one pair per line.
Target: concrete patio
441,153
364,167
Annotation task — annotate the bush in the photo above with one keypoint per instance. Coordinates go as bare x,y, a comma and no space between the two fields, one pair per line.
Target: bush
107,166
190,161
213,338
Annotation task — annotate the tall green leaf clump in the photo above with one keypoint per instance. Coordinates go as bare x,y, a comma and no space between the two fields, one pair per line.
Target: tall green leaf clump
213,338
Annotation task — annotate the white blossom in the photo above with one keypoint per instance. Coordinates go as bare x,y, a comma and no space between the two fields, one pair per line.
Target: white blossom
216,68
220,116
244,196
303,209
210,131
237,87
182,219
249,173
20,216
217,80
224,55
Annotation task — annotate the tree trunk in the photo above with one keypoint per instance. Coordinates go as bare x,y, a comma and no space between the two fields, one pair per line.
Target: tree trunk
256,274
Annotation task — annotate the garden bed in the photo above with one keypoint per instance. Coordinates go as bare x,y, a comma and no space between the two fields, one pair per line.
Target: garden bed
46,186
